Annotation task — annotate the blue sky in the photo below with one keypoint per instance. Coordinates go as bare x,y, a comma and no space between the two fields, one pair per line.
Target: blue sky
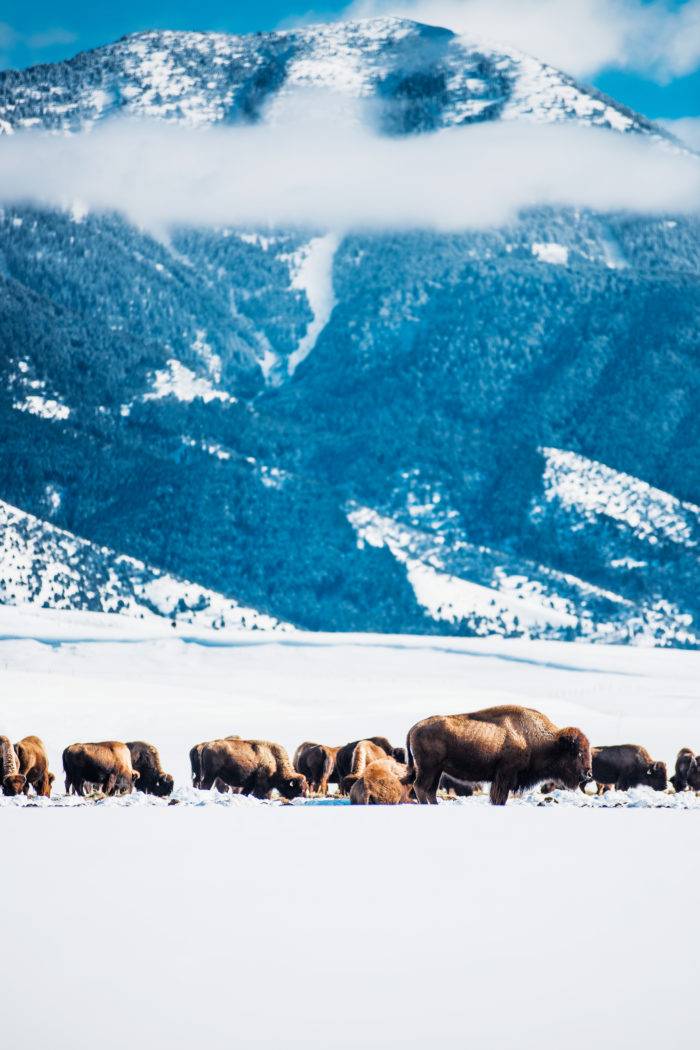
640,51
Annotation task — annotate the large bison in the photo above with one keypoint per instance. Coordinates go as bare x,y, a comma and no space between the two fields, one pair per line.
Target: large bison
384,782
256,767
106,765
624,766
196,762
344,757
153,780
34,765
512,747
13,782
317,763
687,772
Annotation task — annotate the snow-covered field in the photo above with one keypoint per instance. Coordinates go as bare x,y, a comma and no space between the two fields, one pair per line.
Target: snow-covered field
257,925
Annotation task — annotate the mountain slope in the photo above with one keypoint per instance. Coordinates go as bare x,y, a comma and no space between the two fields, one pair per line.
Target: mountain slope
262,411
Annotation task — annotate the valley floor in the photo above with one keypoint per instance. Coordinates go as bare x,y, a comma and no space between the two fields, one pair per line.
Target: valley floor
256,925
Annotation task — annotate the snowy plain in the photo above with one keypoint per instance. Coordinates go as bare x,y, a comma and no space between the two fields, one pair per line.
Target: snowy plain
235,923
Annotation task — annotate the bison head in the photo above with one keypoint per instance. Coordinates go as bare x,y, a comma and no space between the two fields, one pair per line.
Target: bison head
43,786
13,784
574,767
293,786
399,754
164,785
656,776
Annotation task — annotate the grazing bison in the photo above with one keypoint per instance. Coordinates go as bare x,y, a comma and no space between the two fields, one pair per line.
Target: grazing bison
153,780
624,766
343,759
512,747
686,770
13,782
196,763
107,765
256,767
384,782
34,765
317,763
365,752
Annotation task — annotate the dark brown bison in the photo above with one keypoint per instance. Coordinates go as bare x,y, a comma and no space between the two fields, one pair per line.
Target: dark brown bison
106,765
153,780
512,747
625,766
34,765
365,752
686,770
317,763
13,782
384,782
256,767
196,763
343,759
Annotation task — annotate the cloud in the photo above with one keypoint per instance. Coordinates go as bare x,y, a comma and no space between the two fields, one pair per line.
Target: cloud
582,37
340,176
51,38
687,129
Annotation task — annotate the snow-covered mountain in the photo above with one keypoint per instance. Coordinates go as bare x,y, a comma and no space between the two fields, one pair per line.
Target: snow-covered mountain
424,77
493,431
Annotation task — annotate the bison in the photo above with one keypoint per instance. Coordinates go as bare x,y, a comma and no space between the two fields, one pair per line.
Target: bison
365,752
256,767
687,770
153,780
317,763
624,766
512,747
107,765
13,781
344,756
384,782
34,765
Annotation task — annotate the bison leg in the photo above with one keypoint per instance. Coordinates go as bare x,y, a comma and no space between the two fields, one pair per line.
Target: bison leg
109,785
501,786
425,787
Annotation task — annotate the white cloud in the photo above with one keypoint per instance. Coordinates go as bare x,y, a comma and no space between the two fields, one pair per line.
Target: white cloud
579,36
51,38
687,129
330,175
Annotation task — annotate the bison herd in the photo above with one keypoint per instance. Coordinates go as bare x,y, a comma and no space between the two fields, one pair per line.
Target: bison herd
511,748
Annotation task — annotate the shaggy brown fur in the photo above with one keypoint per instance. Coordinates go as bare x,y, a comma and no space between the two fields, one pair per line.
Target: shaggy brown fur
686,769
317,763
196,763
12,780
106,765
512,747
153,780
343,759
384,782
364,753
34,765
257,767
626,766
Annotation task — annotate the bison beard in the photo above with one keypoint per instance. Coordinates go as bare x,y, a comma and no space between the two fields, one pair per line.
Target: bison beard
512,747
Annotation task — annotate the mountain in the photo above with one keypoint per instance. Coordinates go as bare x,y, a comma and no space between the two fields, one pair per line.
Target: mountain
460,433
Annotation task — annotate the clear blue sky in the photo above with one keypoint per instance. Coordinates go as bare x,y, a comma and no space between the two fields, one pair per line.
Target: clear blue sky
48,30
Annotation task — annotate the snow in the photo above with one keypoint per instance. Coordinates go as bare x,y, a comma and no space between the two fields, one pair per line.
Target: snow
312,273
595,489
551,252
176,380
264,926
46,407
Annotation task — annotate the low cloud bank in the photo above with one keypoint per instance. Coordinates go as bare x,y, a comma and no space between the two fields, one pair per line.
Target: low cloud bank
342,177
582,37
